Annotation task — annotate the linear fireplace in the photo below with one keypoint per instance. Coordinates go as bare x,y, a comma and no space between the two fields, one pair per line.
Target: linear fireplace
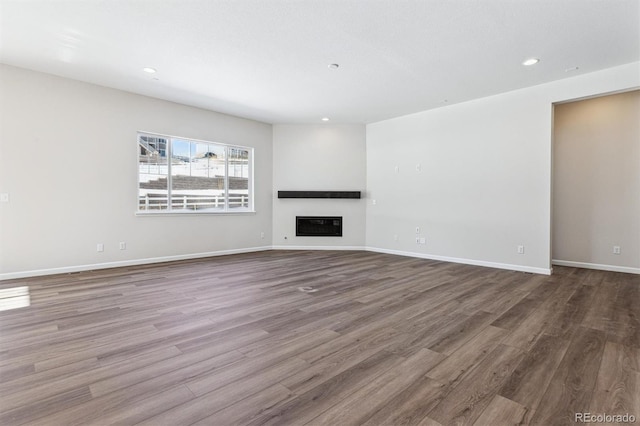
318,226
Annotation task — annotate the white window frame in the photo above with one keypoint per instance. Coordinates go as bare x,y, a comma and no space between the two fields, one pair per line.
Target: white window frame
169,152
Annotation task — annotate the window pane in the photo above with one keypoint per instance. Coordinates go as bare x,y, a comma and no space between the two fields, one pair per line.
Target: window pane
238,178
152,173
197,175
183,175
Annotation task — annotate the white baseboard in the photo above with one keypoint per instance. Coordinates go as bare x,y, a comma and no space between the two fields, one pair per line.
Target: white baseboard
133,262
534,270
120,263
509,266
597,266
346,248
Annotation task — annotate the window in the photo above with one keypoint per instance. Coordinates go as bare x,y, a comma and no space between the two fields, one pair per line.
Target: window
181,175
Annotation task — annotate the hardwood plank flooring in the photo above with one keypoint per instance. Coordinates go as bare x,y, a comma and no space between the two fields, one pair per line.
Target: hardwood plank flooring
383,340
502,411
618,380
572,384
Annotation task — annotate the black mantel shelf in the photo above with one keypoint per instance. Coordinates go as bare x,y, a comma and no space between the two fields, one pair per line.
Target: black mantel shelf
318,194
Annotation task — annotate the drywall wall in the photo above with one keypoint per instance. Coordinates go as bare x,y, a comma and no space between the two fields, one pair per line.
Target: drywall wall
320,157
68,163
596,181
68,160
483,187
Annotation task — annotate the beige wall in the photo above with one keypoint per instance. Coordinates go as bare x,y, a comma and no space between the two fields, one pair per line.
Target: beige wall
596,184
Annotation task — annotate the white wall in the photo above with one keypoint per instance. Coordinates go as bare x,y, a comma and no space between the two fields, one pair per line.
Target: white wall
485,183
320,157
68,159
596,176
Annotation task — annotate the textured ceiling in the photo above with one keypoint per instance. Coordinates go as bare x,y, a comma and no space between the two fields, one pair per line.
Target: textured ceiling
268,59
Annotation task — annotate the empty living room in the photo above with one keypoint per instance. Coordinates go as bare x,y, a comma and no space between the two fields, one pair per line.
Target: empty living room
319,212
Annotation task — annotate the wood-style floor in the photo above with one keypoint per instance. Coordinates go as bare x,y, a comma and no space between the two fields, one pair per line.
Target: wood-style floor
379,340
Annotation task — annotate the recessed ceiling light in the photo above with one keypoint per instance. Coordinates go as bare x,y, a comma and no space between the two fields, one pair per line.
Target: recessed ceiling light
531,61
325,118
149,70
333,66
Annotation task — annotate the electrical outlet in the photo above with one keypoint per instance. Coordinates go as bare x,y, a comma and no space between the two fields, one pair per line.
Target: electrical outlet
520,249
100,247
616,249
417,229
4,197
418,167
417,240
423,240
122,245
397,169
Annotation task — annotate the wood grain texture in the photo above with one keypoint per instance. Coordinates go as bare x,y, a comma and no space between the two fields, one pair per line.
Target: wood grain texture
467,357
385,340
464,404
531,377
411,406
362,404
502,411
617,388
572,384
330,391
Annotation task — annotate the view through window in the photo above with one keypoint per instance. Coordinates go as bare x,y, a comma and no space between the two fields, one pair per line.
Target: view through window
184,175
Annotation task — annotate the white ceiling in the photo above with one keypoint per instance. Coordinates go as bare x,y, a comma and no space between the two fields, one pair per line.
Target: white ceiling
268,59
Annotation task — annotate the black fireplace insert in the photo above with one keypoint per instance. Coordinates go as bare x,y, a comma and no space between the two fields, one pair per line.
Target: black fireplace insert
318,226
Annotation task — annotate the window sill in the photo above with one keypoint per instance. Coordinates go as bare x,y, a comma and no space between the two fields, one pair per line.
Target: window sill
196,213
